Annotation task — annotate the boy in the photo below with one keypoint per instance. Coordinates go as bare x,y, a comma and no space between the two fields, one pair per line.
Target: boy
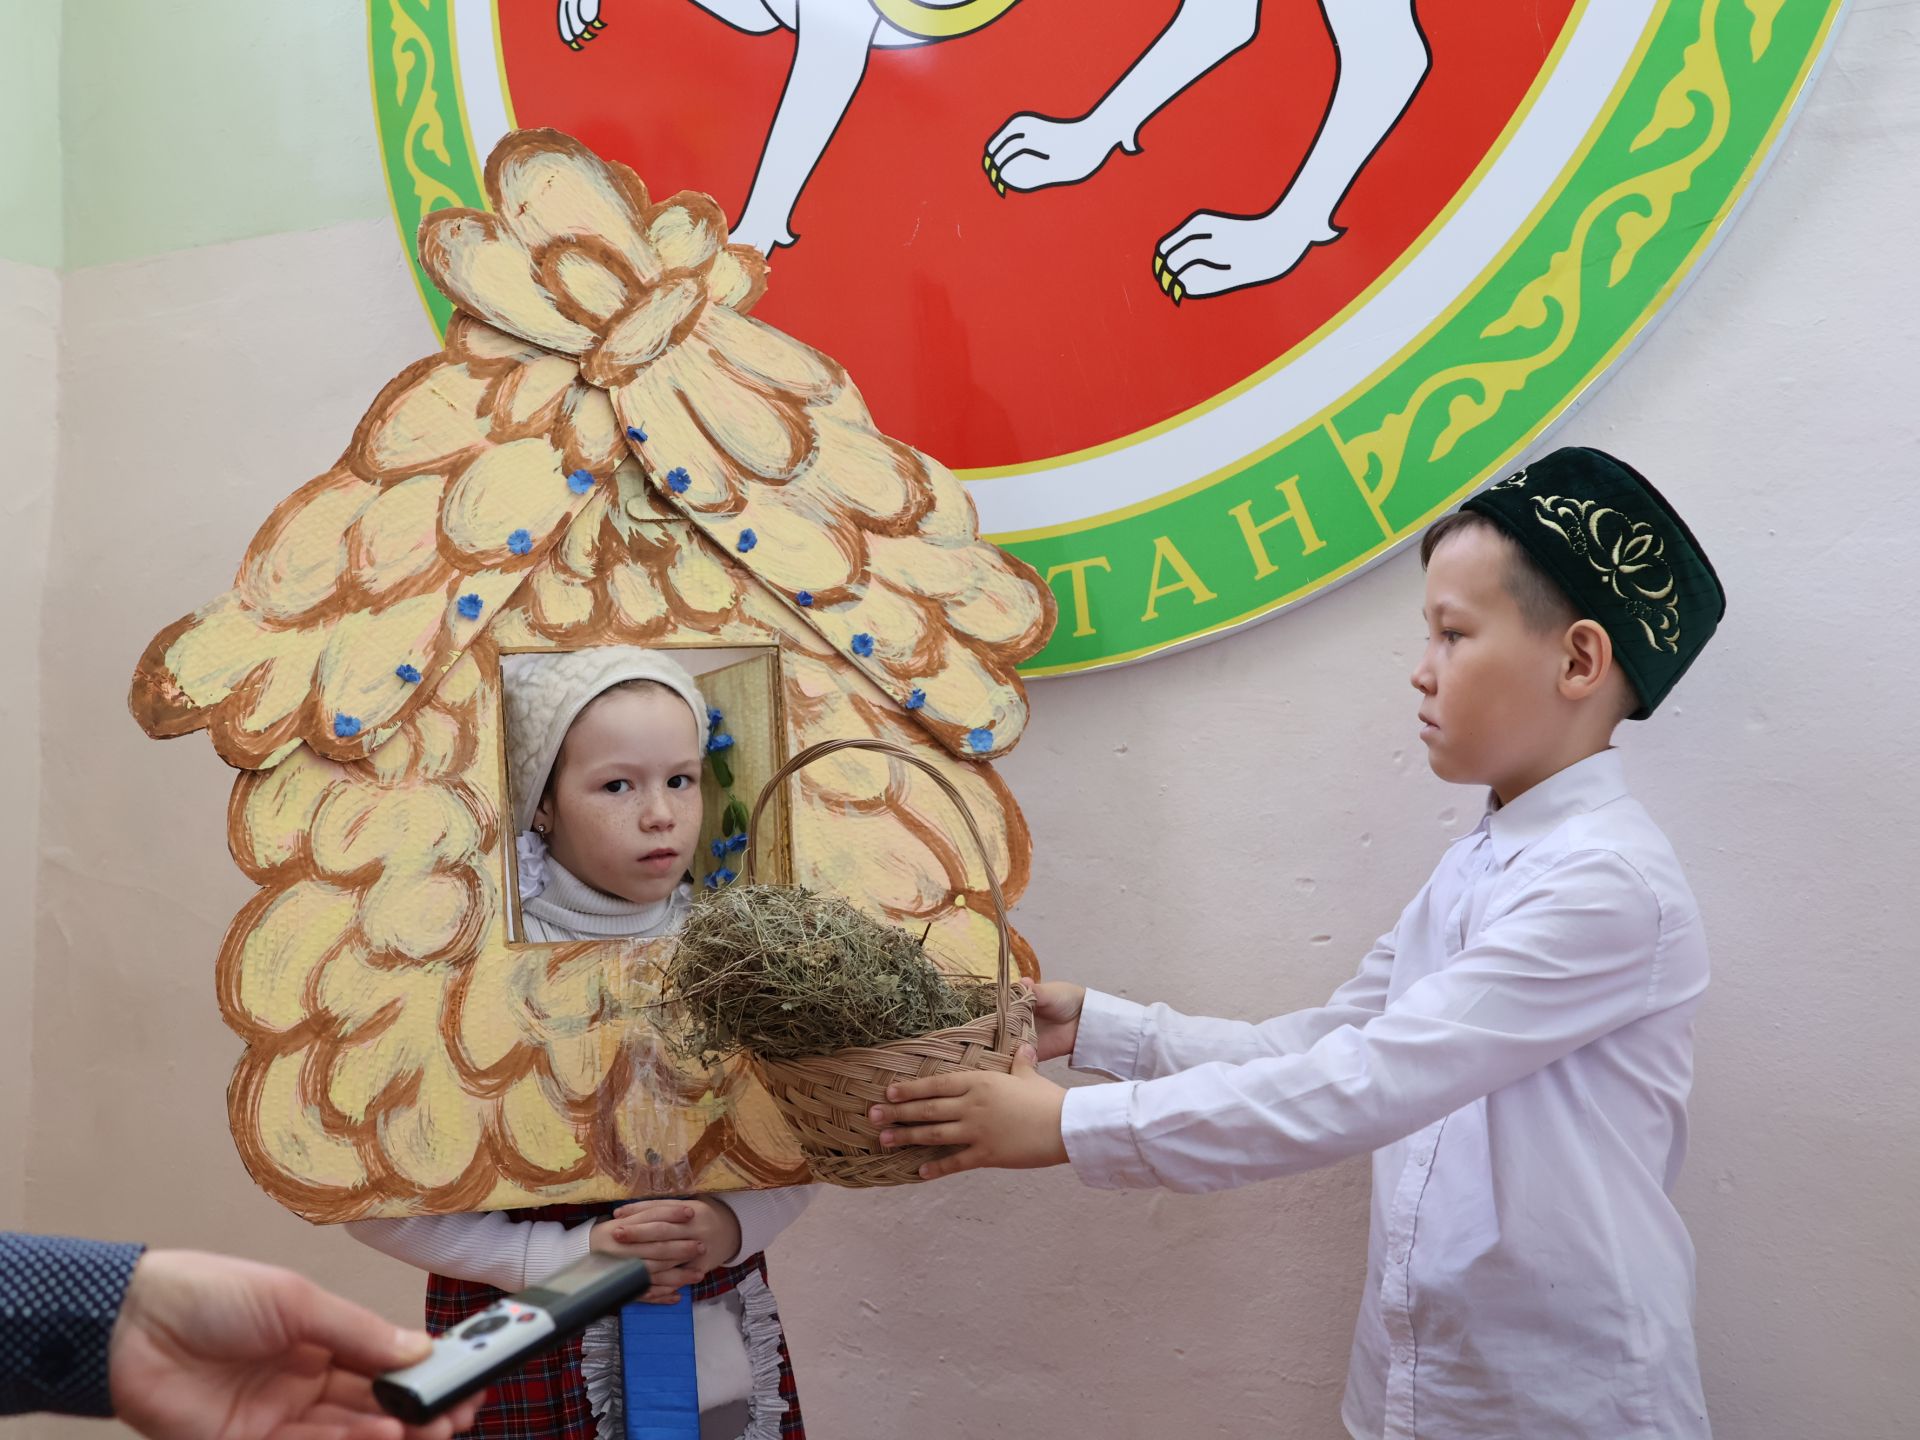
1516,1052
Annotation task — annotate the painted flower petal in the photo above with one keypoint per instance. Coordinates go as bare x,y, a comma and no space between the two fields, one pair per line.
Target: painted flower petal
482,269
549,186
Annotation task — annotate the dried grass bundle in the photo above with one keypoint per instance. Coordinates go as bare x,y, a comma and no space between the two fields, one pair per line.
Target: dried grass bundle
782,972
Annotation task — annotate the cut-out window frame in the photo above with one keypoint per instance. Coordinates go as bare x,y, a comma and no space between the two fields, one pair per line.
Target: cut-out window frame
774,856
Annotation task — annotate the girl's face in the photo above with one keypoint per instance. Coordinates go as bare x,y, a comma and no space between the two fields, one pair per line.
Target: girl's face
623,810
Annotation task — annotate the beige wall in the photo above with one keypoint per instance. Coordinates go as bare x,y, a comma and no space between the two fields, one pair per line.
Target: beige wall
31,202
1225,829
29,439
29,325
129,1134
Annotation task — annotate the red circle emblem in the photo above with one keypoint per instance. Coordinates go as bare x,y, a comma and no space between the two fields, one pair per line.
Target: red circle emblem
1003,329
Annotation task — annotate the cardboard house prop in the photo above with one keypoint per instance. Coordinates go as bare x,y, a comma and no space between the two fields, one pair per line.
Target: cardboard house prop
609,449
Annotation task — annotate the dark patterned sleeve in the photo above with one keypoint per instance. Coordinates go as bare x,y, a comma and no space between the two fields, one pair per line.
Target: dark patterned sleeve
58,1301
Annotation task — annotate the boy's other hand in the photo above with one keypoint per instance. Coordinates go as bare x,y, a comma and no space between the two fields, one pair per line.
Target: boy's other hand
1056,1012
681,1240
1004,1122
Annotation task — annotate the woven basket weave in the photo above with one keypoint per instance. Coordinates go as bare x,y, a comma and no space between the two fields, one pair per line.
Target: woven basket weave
825,1098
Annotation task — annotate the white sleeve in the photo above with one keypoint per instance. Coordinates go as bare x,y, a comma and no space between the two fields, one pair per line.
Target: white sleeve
763,1214
1126,1041
487,1248
1578,956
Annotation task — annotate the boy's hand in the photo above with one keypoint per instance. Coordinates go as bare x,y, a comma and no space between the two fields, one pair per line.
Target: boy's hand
1056,1010
1004,1122
681,1240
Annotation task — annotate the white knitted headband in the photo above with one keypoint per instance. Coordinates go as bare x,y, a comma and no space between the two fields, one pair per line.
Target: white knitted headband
545,694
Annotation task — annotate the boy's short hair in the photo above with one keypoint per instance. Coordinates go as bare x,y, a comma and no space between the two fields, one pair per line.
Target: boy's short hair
1543,604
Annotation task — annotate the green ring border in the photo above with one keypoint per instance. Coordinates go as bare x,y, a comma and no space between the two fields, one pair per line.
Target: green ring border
1717,84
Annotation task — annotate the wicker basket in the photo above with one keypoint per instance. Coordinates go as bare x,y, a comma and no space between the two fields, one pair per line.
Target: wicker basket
825,1098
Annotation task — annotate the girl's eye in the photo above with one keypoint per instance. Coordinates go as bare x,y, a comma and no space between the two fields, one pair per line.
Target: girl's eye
1449,635
680,782
617,787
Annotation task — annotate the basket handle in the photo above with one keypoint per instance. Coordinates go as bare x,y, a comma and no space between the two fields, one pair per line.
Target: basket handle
886,747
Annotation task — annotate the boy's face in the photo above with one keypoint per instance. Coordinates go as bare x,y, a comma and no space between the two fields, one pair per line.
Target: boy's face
1492,711
623,812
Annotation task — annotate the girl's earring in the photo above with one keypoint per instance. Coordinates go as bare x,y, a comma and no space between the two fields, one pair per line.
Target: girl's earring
538,828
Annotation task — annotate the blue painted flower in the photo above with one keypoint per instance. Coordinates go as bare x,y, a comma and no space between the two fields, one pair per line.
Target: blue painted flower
713,881
678,480
863,644
636,434
746,541
714,717
580,481
470,607
346,726
723,876
719,848
916,699
804,599
408,673
520,542
980,740
719,743
737,843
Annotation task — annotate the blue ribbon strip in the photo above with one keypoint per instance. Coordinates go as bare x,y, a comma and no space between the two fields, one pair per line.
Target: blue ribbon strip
657,1366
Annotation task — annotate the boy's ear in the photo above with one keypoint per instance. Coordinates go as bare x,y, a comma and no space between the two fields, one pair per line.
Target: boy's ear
1587,664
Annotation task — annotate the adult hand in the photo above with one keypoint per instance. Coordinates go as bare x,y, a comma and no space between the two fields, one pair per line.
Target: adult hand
1006,1122
208,1347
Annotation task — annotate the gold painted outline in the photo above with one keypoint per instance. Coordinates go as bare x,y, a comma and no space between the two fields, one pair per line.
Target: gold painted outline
934,21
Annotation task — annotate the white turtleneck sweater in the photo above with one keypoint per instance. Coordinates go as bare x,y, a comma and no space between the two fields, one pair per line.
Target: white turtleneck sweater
490,1249
567,908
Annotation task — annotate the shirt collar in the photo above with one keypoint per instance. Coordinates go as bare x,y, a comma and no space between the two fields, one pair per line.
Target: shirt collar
1582,787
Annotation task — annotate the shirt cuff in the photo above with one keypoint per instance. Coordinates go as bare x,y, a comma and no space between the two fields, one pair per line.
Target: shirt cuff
1096,1125
1108,1041
61,1300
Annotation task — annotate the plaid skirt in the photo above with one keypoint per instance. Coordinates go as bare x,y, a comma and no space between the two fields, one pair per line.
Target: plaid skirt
546,1399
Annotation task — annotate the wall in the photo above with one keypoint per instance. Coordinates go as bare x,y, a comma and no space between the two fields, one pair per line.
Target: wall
30,234
238,97
1225,828
30,228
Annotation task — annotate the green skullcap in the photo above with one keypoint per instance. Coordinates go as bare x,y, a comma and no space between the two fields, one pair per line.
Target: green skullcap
1621,554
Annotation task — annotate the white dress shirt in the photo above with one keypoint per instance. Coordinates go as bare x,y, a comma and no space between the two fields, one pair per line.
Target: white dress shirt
1516,1053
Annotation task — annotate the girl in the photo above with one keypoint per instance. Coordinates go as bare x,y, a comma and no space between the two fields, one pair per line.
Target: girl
604,750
